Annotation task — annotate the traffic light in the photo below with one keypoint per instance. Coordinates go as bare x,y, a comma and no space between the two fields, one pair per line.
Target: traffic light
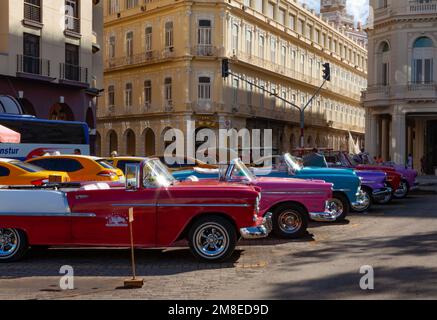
327,71
225,68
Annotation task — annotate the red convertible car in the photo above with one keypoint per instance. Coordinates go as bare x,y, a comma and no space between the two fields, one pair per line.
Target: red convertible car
211,215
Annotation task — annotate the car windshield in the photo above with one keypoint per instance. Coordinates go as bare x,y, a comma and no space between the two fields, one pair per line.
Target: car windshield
292,162
27,166
241,172
156,174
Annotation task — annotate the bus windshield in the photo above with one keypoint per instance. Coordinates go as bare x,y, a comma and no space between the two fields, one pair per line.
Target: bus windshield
36,131
40,137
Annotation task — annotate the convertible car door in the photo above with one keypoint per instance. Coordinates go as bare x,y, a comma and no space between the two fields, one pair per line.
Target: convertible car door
110,225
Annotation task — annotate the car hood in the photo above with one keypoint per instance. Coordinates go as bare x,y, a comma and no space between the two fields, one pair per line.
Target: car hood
290,183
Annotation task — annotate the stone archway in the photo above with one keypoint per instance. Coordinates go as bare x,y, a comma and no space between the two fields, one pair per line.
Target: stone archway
130,142
61,111
149,142
113,141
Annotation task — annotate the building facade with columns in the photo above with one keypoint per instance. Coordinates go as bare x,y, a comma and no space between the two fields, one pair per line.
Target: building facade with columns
163,67
50,57
401,100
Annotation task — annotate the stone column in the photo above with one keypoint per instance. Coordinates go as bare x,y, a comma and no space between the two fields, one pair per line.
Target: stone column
384,139
398,141
371,133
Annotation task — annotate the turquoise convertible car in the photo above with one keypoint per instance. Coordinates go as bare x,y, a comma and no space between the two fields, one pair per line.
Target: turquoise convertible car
347,185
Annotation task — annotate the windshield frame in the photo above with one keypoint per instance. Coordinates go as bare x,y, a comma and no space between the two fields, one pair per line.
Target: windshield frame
159,175
246,174
291,162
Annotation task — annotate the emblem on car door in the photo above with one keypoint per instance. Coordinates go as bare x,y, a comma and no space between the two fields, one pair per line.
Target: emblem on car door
116,220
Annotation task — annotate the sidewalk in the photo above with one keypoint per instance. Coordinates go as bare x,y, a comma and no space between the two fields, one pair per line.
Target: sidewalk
427,183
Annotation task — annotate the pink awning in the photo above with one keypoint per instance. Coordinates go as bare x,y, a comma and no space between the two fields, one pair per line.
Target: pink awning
9,136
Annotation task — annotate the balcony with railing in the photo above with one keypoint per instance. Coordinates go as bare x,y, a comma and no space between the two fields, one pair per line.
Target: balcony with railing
133,60
72,26
33,67
204,50
73,74
423,6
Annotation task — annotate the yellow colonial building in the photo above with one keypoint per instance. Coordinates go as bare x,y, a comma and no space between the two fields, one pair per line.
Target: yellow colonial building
163,67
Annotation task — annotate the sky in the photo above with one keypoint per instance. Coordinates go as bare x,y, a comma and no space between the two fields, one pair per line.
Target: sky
359,8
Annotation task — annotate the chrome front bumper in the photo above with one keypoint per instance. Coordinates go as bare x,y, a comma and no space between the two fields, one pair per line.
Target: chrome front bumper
415,186
380,194
258,232
322,216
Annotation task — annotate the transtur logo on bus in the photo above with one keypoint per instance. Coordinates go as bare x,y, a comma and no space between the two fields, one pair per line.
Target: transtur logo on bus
8,151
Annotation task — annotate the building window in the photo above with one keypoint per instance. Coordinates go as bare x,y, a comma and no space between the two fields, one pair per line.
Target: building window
111,47
249,92
204,38
31,54
148,39
111,96
147,93
249,42
129,45
423,60
168,91
113,6
283,56
292,22
130,4
281,16
72,69
273,50
204,88
261,46
169,35
72,20
128,95
235,31
270,10
32,10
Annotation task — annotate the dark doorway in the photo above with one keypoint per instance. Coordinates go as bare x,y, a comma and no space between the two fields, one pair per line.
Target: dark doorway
431,147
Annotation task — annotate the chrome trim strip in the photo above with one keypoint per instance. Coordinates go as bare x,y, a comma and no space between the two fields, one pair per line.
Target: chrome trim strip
343,190
166,205
38,214
294,192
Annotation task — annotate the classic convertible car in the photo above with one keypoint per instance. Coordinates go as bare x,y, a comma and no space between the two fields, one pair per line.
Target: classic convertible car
374,184
292,202
212,215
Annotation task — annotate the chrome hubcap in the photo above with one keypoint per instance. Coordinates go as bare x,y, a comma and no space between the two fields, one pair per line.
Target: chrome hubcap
289,221
211,240
8,242
335,207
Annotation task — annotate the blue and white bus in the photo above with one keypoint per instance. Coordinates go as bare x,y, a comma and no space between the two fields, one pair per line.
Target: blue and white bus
39,136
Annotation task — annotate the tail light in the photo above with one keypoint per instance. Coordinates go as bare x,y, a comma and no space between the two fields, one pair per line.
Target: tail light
39,182
107,173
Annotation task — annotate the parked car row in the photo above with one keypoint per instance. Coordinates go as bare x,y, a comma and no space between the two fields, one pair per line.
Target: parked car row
85,201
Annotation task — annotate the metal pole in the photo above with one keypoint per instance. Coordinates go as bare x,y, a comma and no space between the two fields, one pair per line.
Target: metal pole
134,273
302,128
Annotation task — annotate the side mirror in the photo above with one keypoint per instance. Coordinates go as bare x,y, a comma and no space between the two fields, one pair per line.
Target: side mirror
132,177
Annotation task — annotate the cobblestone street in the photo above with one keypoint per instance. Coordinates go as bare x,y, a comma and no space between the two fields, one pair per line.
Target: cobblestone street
400,244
